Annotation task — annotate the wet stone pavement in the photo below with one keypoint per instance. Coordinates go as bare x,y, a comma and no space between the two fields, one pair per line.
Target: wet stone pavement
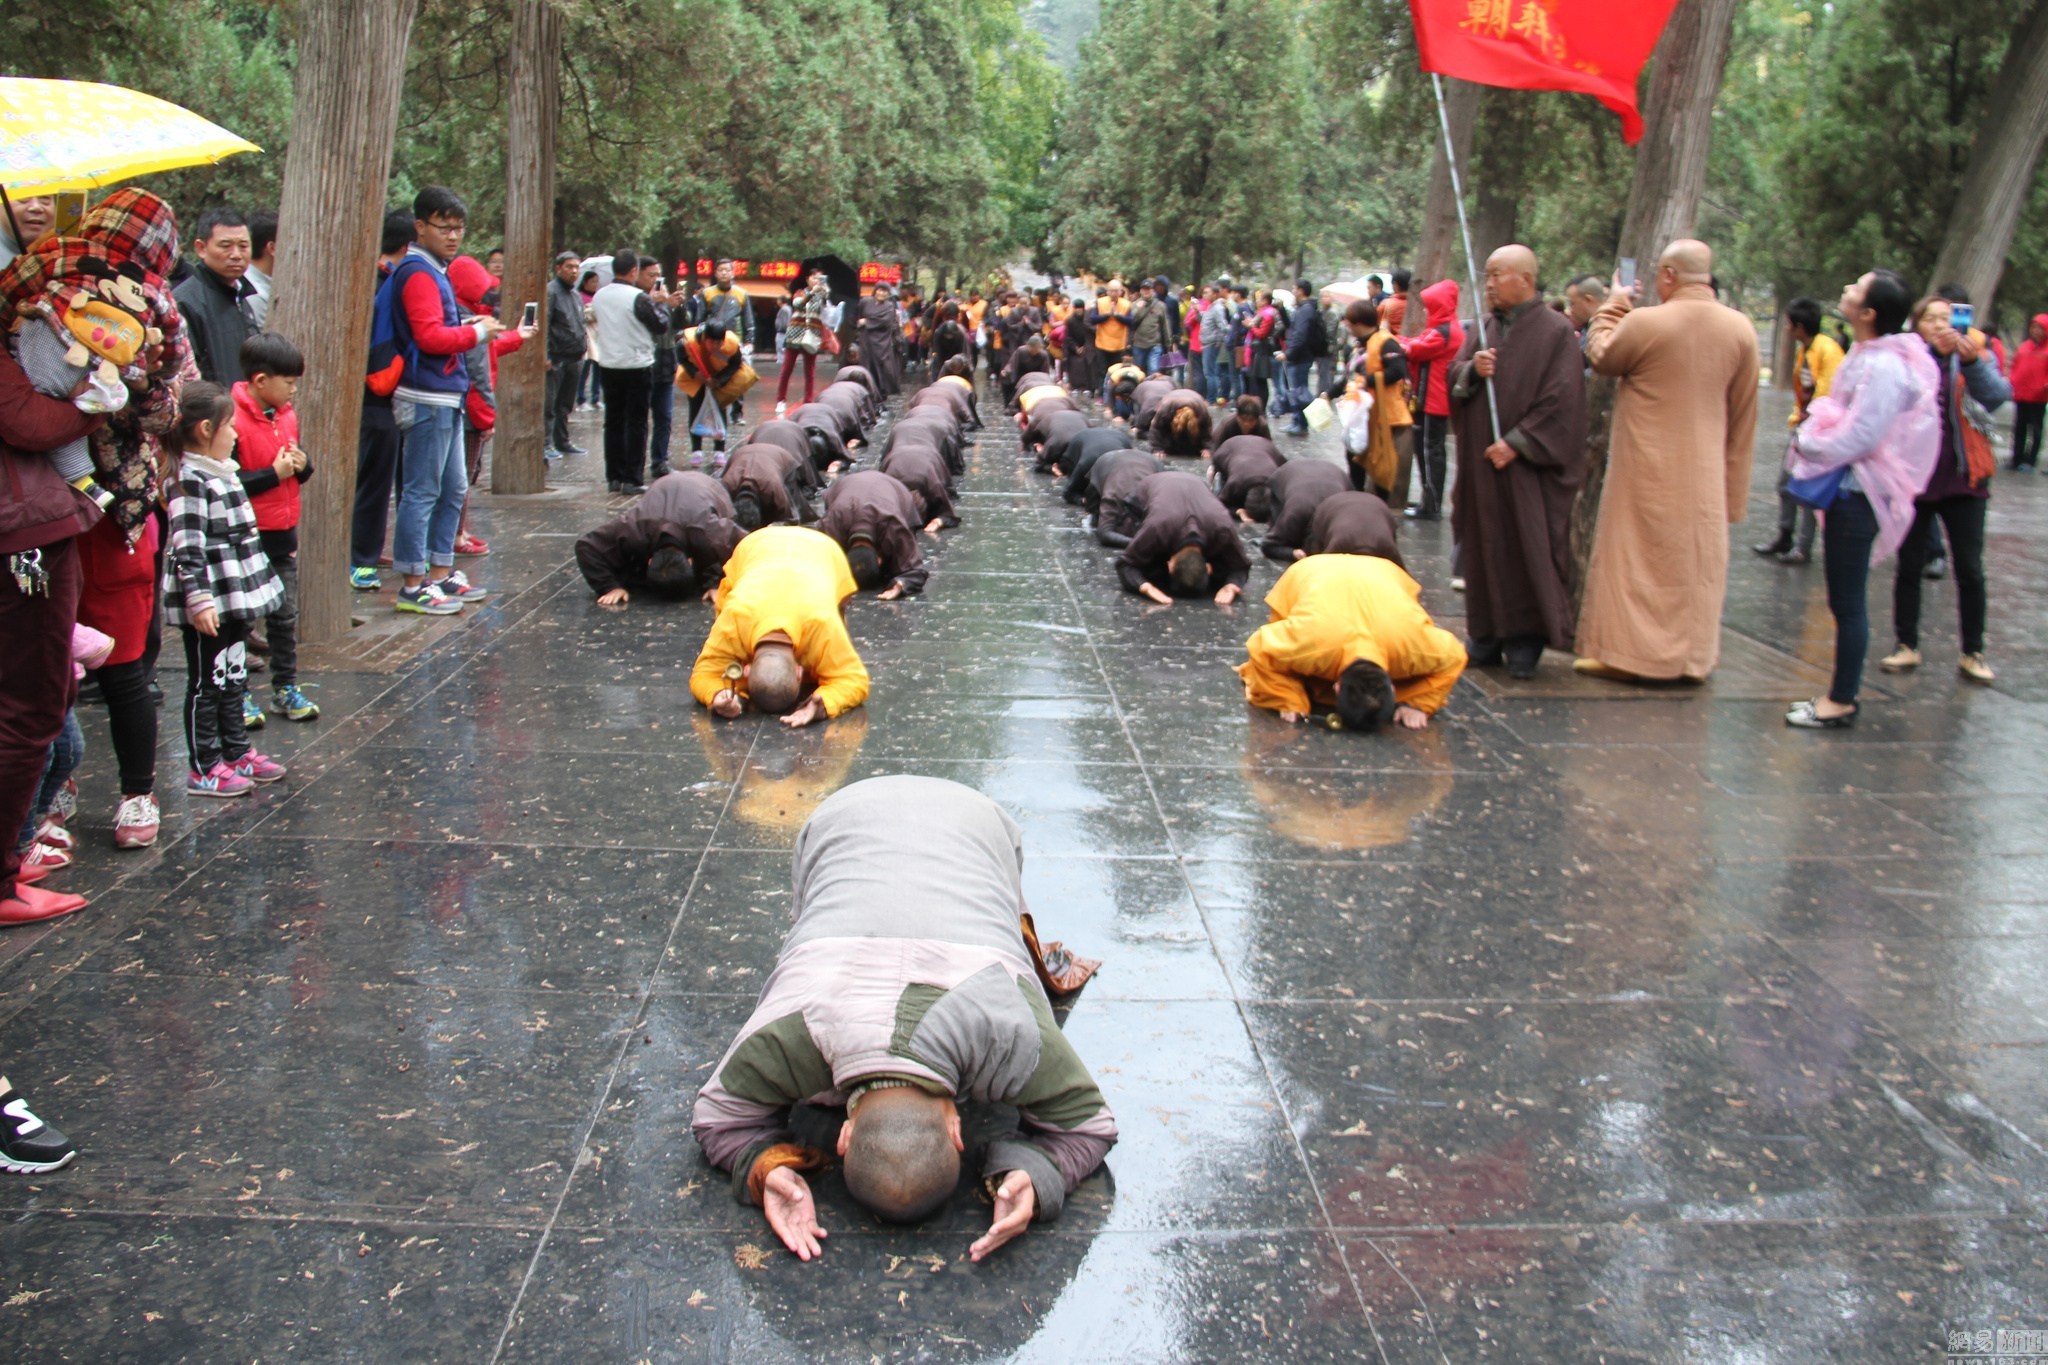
1591,1024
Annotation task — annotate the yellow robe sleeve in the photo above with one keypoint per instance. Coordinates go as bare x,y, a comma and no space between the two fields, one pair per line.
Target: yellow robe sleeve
1273,669
722,648
1444,657
1823,361
842,677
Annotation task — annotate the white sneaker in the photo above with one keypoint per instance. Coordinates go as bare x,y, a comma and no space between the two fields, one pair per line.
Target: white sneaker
781,408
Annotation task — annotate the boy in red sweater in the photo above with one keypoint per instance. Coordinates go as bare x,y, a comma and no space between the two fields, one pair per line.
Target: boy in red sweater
272,468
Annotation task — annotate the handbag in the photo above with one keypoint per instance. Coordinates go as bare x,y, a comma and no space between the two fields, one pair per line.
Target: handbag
1173,360
1976,425
1820,492
831,342
802,338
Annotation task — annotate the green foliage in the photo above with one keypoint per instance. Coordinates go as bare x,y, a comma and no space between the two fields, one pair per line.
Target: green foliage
1195,134
908,128
1186,138
230,63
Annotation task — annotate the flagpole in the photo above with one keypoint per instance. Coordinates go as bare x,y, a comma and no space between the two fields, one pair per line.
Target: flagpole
1465,231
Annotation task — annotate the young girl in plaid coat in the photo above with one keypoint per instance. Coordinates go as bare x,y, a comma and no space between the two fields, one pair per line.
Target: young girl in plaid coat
217,581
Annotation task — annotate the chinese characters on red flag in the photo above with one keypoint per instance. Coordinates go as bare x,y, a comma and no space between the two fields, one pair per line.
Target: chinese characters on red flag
1593,47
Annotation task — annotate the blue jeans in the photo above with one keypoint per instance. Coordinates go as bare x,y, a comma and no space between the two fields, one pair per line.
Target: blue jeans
1295,396
1147,358
662,412
1216,371
1849,530
57,769
430,500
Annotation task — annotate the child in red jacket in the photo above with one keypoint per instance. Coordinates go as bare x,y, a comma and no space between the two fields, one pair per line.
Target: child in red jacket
476,293
1431,354
272,468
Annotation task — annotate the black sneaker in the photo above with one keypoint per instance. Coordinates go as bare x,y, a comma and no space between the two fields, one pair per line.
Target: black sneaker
29,1146
574,450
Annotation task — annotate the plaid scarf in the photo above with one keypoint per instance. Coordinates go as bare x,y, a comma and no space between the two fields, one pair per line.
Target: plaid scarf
135,225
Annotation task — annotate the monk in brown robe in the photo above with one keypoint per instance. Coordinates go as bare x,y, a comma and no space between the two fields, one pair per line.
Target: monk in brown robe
1354,524
874,517
1513,503
1677,474
769,485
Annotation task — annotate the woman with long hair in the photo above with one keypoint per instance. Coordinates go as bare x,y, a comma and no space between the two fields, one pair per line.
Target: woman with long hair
1861,458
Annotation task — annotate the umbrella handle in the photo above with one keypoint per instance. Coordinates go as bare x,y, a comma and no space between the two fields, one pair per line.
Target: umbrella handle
13,228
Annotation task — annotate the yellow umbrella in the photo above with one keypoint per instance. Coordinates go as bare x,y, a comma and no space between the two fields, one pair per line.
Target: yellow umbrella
78,135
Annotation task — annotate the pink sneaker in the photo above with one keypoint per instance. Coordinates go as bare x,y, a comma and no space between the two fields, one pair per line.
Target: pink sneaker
55,835
257,768
219,780
45,856
135,823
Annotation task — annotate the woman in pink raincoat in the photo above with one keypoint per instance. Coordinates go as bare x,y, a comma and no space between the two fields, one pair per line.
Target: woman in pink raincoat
1876,435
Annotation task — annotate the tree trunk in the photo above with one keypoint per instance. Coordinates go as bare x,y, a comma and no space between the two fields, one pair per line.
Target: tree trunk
351,70
1498,174
1663,202
532,102
1678,118
1434,254
2001,170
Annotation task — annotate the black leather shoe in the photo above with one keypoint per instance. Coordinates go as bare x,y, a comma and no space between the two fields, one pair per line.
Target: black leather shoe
1770,549
29,1146
1483,654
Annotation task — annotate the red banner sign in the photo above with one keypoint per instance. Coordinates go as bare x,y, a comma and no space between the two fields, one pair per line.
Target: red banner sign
1594,47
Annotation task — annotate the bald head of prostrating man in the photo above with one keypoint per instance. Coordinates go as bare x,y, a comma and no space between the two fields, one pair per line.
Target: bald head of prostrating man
1510,277
1684,262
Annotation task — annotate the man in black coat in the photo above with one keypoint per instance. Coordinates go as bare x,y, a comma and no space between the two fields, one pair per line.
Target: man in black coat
213,299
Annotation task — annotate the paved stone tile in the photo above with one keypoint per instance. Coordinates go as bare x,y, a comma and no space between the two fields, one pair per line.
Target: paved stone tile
1591,1023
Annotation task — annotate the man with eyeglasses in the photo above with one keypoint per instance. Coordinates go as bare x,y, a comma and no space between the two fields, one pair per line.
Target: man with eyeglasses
416,308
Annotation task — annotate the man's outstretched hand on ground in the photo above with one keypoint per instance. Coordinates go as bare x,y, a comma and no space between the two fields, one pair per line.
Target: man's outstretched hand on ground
810,711
786,1199
1016,1204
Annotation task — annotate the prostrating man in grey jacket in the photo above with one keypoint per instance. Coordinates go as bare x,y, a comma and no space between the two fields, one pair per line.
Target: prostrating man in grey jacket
907,983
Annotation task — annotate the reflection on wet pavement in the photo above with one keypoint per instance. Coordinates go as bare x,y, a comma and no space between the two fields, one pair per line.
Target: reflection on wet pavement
1585,1025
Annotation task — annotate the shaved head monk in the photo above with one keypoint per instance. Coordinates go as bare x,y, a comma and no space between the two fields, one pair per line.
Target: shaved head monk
1350,629
908,984
780,642
1517,479
1677,474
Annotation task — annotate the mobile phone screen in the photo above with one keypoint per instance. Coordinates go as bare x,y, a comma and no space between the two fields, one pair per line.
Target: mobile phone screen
1962,316
1628,272
531,317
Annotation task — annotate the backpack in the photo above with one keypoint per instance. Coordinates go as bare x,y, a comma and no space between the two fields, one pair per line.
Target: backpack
386,365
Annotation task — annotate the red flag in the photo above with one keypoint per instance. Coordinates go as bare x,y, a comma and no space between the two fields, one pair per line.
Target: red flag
1595,47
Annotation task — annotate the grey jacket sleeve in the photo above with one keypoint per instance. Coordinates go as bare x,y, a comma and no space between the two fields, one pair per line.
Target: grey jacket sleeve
1065,1129
1986,384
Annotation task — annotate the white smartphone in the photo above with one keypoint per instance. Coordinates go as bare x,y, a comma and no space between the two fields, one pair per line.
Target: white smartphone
531,317
1628,272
